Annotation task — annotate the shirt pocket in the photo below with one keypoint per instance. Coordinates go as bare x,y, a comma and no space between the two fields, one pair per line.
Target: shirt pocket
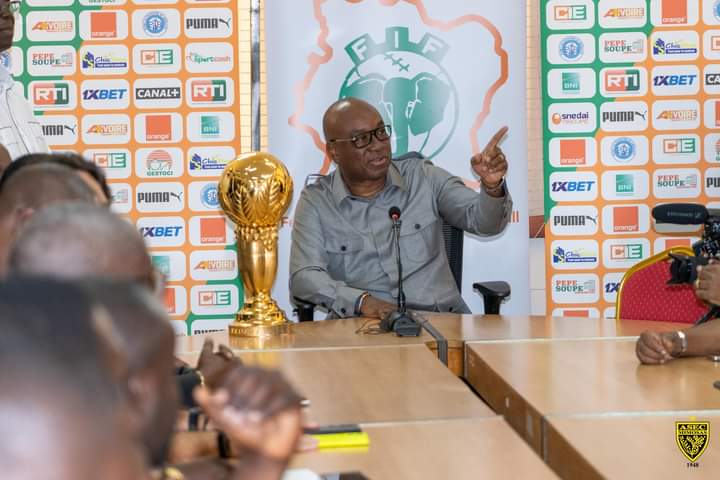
344,257
419,241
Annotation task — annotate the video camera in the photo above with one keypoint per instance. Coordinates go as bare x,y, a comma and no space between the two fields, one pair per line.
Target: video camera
683,268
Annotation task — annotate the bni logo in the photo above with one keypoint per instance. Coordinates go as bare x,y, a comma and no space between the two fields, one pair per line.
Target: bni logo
565,13
209,126
624,184
571,83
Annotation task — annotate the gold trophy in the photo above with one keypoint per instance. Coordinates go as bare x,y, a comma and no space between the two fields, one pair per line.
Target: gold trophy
255,190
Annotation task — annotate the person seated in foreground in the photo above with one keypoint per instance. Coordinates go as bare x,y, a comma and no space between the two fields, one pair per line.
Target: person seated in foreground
342,257
90,173
269,407
63,416
72,241
4,160
30,189
661,347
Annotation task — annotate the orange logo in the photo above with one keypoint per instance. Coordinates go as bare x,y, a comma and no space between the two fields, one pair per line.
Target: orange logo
625,219
572,152
158,128
676,242
103,25
674,12
212,230
170,300
576,313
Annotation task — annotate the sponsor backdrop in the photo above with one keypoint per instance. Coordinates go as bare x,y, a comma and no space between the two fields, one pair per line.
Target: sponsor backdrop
446,74
148,91
631,120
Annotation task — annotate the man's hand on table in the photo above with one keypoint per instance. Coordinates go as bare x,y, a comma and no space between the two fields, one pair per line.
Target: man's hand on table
655,348
375,308
707,285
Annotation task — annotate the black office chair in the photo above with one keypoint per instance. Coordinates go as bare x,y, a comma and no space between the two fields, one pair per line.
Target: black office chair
493,292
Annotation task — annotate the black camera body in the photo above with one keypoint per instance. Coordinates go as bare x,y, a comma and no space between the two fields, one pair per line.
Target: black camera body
683,268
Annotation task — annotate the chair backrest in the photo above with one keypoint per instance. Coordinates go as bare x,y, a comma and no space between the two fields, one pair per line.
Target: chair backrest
645,295
454,250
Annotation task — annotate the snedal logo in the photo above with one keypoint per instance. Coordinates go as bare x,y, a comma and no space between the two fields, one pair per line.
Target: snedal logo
572,117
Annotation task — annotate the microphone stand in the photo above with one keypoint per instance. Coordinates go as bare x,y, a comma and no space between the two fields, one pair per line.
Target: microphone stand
399,321
713,312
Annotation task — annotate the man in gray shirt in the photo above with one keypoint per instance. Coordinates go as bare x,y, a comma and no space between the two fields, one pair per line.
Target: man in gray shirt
342,257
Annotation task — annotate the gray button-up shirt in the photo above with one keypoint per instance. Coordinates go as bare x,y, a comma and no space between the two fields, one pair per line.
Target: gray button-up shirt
342,245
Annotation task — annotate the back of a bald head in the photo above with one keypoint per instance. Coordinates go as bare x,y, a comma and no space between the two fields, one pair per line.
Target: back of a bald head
339,111
75,240
42,184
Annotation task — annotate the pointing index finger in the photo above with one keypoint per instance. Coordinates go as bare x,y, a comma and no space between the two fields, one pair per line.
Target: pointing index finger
496,139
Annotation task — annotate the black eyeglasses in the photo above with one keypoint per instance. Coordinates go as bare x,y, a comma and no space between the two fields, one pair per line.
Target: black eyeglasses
362,140
11,7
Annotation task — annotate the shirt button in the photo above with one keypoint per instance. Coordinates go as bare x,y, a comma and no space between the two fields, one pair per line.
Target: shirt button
417,226
343,311
343,248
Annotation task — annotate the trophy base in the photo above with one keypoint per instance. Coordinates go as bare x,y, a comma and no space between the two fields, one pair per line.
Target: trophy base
259,321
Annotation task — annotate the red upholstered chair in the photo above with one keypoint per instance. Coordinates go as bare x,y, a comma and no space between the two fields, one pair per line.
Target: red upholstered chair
645,295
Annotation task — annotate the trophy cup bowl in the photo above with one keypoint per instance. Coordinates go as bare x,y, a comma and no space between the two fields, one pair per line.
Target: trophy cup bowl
255,190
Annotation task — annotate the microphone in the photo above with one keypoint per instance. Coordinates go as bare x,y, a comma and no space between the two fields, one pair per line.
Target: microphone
399,321
680,213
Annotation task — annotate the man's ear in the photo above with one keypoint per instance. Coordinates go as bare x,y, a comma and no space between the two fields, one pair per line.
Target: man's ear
331,151
142,395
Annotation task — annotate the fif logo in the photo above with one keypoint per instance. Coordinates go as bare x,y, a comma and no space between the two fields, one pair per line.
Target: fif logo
407,84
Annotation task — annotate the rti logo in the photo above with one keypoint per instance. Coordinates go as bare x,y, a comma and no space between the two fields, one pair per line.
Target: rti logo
208,91
51,94
622,81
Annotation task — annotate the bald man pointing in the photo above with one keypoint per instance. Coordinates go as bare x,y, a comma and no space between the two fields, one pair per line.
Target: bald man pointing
342,257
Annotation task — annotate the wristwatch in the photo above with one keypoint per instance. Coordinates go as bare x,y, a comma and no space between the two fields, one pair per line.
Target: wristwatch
683,341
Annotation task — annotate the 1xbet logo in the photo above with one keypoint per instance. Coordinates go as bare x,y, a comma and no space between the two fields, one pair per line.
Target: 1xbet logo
573,186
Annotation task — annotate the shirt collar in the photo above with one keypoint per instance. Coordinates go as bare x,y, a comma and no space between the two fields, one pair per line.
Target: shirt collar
340,190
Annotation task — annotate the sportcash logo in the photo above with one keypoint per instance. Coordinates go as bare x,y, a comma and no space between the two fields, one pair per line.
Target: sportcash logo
199,60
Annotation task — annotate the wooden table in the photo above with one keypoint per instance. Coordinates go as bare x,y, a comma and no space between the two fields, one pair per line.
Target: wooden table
458,449
374,384
633,446
458,329
526,380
